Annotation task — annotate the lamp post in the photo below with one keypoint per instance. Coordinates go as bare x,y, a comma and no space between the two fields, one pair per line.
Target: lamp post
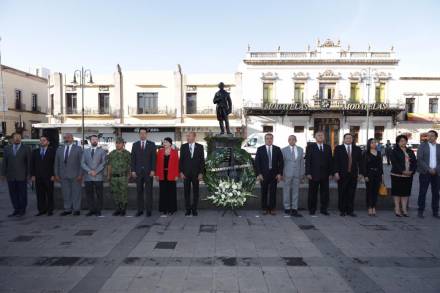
367,76
82,75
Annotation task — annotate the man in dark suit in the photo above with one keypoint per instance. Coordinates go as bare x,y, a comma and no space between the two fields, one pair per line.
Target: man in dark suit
269,165
347,159
143,164
42,172
16,169
319,169
192,167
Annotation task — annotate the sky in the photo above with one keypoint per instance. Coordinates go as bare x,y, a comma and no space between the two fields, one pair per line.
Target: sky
208,36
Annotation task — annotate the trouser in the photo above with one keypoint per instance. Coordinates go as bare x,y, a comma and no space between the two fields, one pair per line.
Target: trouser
144,187
119,190
346,192
424,181
71,189
323,186
18,195
269,192
44,189
291,193
222,127
372,190
187,183
92,188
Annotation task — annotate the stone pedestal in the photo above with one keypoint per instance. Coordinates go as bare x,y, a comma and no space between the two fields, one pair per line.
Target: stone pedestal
223,141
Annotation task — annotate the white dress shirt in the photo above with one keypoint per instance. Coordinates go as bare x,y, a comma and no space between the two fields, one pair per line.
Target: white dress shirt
432,155
347,146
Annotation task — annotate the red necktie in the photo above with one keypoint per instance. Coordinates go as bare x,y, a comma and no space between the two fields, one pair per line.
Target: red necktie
142,148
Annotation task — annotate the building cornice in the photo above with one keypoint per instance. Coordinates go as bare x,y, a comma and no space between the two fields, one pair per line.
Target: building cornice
420,78
322,62
22,73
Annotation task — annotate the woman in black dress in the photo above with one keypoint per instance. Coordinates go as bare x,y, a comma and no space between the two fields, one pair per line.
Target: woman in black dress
372,170
403,167
167,172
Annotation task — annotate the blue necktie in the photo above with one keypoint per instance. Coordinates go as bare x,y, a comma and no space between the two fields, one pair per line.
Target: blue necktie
42,153
66,155
14,149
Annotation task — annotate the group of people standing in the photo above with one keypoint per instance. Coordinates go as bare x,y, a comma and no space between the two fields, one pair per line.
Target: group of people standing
346,164
72,166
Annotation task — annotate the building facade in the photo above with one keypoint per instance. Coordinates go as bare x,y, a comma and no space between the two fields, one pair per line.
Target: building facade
23,101
328,87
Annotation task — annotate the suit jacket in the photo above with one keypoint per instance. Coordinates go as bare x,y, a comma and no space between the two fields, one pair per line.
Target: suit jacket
192,166
173,165
398,160
16,167
340,160
96,163
262,161
319,164
423,158
72,168
293,168
143,162
43,167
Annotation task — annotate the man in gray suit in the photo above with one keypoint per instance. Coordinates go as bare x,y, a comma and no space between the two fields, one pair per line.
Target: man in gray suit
292,175
93,163
68,171
428,165
16,169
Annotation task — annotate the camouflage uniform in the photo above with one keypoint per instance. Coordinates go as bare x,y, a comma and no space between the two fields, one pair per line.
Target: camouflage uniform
120,165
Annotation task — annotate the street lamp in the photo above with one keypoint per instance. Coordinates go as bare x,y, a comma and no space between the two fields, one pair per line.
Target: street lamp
82,75
367,75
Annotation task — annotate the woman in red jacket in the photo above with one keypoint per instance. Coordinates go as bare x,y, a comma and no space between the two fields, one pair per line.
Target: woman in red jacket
167,172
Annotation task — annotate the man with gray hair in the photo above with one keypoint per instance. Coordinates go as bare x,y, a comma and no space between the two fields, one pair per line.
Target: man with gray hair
69,173
293,156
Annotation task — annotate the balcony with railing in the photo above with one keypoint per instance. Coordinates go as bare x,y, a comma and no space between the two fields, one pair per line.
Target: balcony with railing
165,112
211,112
100,111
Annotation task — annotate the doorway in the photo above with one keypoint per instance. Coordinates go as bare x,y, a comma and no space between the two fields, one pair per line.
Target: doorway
330,127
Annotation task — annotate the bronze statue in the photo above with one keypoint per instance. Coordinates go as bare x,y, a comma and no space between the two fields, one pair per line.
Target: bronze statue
224,107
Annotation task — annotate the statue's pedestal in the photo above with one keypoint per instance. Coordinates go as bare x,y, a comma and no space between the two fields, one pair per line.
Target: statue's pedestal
223,141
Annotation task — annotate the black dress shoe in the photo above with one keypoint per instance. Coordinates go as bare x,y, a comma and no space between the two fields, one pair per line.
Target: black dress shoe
89,214
352,215
287,212
76,213
139,213
49,214
342,214
187,213
148,214
65,213
195,213
116,213
325,213
15,213
122,213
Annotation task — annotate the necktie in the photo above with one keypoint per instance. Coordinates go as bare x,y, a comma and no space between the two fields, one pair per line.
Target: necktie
66,154
293,153
269,153
143,146
191,149
320,147
93,153
42,153
349,159
14,149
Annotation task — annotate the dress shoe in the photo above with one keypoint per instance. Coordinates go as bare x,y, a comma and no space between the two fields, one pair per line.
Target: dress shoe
195,213
342,214
287,212
312,213
293,212
325,213
420,214
14,214
98,214
117,212
405,215
49,214
65,213
39,214
89,214
139,213
148,214
188,213
76,213
398,215
122,213
352,215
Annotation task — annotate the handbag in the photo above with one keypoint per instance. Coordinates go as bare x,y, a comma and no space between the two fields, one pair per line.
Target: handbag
383,190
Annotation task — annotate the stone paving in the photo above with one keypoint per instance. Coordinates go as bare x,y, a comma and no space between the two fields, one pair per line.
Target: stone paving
215,253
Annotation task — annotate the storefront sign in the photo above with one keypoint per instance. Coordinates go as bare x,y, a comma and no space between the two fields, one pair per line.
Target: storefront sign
324,105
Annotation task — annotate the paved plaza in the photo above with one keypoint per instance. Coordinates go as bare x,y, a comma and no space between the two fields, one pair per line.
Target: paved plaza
216,253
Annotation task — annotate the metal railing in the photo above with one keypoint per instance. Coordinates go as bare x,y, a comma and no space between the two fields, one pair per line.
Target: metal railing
152,111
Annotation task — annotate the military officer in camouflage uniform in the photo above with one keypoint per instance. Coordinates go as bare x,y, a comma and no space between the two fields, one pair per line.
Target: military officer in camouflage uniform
118,174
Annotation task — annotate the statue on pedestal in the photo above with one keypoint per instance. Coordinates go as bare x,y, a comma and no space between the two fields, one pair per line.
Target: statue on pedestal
224,107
